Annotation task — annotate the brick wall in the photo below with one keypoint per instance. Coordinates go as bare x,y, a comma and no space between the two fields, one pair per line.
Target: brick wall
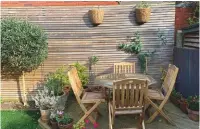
55,3
181,16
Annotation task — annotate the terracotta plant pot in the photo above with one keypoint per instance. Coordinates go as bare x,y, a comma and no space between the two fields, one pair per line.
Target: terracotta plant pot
68,126
96,16
54,124
183,106
45,115
143,15
66,89
175,101
193,115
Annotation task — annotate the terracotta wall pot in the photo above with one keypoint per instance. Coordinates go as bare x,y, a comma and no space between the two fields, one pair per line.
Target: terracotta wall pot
96,16
193,115
143,15
68,126
45,115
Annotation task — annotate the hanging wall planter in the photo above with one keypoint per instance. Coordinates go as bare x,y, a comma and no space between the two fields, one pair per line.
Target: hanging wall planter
143,12
96,16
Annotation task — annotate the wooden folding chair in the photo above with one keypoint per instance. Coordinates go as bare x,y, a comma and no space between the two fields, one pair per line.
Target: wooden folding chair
124,67
128,98
84,98
162,94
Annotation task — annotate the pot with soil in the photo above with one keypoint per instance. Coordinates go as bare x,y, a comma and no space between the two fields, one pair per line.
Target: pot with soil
54,124
193,108
64,121
45,115
183,105
143,12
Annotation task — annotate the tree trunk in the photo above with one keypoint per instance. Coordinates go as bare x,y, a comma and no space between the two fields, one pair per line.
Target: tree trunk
24,89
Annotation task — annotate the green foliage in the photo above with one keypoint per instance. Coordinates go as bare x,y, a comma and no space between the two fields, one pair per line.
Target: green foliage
142,59
79,125
142,5
193,102
64,119
176,94
162,37
55,81
82,73
163,74
93,60
135,45
195,16
192,20
23,46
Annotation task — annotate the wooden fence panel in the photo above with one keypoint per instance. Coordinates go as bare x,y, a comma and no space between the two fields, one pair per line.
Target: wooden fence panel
73,38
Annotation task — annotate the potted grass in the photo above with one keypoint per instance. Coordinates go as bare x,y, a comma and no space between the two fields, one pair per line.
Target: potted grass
175,97
64,120
193,107
183,104
96,16
143,12
45,101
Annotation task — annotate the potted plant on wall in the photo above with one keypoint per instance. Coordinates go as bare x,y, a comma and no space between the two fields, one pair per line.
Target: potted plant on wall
143,12
193,107
64,120
45,101
96,16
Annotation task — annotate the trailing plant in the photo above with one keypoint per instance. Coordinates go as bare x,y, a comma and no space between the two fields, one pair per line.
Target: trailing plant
45,99
195,16
56,81
162,37
93,60
142,5
134,47
82,73
193,102
142,57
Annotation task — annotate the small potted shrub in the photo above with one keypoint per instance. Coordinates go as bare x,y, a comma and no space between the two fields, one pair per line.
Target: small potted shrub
193,107
175,97
45,101
96,16
64,120
143,12
183,104
58,81
79,125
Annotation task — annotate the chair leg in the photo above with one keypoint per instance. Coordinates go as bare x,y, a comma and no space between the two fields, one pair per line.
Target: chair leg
110,117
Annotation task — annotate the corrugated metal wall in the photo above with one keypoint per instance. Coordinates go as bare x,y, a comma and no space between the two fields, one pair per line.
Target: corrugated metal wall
73,38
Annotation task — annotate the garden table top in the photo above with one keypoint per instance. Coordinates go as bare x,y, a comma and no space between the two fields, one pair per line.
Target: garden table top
107,80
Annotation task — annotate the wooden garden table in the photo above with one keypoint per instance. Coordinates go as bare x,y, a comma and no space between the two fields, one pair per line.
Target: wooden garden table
107,80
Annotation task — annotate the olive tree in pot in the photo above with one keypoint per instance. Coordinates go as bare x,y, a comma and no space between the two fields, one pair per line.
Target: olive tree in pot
193,107
23,48
45,101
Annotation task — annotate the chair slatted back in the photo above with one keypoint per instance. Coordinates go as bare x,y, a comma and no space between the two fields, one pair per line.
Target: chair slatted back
75,83
124,67
169,80
129,93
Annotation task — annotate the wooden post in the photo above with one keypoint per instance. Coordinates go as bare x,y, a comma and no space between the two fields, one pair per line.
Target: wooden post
146,69
24,89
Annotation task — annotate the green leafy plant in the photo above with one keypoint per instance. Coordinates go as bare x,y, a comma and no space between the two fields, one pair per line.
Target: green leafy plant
79,125
162,37
193,102
82,73
63,118
135,45
176,94
195,16
93,60
142,57
142,5
23,46
56,81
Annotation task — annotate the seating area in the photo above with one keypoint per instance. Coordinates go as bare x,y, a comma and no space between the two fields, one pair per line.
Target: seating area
100,64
